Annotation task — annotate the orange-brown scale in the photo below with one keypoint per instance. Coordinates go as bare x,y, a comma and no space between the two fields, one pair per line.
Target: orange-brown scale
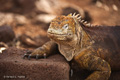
60,21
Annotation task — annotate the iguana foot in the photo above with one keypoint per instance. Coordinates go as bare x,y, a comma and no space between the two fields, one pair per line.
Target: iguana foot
43,51
27,54
37,53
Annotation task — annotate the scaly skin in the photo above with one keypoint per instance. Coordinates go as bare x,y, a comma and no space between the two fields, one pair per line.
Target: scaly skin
95,48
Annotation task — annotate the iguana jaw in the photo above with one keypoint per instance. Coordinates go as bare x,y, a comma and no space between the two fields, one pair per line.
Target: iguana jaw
60,37
59,34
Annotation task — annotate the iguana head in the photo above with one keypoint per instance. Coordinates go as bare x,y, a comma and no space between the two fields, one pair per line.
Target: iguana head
67,31
65,28
62,28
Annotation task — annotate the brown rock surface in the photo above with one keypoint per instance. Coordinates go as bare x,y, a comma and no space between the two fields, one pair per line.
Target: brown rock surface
6,34
13,66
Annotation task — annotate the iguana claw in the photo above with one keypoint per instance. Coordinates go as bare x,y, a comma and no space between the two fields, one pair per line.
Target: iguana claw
29,56
37,56
28,52
25,55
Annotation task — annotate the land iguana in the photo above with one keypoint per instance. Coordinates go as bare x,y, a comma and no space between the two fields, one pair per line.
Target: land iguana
95,48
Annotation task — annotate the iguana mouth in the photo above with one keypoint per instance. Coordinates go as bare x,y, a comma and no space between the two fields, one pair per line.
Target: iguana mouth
57,34
60,37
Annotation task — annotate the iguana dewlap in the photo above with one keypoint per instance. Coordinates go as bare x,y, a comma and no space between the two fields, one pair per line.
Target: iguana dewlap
95,48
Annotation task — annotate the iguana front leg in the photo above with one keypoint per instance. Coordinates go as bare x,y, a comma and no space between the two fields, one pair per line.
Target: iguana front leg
45,50
100,67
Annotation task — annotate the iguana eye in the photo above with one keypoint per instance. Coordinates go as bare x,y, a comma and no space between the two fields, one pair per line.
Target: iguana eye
65,26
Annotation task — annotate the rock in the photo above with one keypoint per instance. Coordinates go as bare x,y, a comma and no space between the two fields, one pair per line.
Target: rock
22,5
2,49
49,6
6,18
6,34
46,18
17,6
6,5
20,19
68,10
78,10
12,19
35,41
27,40
13,66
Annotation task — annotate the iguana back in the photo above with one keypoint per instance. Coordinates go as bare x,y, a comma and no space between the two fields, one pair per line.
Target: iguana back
107,38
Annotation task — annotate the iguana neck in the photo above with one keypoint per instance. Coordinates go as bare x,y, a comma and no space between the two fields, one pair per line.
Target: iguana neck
73,48
85,40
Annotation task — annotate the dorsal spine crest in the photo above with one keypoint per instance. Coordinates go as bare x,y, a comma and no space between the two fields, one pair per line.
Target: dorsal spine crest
79,19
